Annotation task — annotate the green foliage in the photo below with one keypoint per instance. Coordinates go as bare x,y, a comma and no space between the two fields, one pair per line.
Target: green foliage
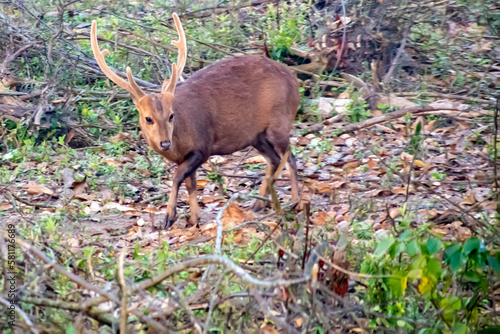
282,36
356,110
414,269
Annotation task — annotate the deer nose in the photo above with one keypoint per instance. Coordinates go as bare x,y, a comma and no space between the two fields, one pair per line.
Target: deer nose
165,145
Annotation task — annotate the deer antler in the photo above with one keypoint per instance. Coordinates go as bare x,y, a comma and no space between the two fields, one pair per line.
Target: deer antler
169,85
130,85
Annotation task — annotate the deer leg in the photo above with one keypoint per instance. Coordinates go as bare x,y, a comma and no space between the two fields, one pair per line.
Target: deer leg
273,160
193,199
192,161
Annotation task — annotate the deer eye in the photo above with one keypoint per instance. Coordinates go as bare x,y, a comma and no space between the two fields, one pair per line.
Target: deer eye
149,120
171,118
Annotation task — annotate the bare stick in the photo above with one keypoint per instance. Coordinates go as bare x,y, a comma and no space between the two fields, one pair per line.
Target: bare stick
80,281
123,286
265,308
218,240
27,320
396,114
395,61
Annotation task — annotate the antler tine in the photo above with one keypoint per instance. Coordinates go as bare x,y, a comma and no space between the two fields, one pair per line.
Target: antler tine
130,85
169,87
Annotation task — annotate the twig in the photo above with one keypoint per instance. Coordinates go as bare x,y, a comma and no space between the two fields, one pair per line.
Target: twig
447,96
183,303
495,155
11,57
265,308
344,35
123,287
93,312
27,320
395,61
396,114
218,240
307,207
77,279
213,301
39,205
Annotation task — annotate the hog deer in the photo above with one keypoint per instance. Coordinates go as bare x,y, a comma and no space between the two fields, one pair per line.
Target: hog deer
225,107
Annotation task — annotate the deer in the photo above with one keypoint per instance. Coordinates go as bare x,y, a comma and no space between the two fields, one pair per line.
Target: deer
232,104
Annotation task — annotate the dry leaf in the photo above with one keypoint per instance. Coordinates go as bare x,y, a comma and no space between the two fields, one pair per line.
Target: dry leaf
234,216
116,206
5,206
259,159
351,165
320,218
469,199
323,187
122,136
35,189
201,183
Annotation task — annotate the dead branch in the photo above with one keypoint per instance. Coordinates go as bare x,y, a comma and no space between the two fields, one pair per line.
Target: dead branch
396,114
25,317
77,279
447,96
395,61
11,57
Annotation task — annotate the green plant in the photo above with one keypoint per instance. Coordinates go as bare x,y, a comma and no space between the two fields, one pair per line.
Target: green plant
410,274
356,110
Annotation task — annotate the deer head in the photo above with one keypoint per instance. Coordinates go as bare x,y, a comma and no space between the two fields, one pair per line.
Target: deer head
157,117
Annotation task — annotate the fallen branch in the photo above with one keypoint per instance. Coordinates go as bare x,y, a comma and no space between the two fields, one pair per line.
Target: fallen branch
447,96
25,317
80,281
395,61
396,114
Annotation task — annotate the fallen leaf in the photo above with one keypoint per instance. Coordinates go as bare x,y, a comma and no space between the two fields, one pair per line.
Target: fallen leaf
201,183
5,206
116,206
469,199
322,187
234,216
320,218
258,159
122,136
35,189
351,165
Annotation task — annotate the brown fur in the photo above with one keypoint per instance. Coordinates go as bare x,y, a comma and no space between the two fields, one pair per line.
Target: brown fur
230,105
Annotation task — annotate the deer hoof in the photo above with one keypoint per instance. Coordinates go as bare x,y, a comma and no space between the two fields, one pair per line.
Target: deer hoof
169,221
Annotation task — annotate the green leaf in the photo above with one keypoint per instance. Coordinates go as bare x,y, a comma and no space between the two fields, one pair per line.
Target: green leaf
405,235
397,283
453,256
471,245
459,328
383,246
396,249
412,248
494,262
434,269
433,245
70,330
472,276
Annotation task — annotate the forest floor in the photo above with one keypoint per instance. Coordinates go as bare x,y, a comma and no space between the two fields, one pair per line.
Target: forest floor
345,178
